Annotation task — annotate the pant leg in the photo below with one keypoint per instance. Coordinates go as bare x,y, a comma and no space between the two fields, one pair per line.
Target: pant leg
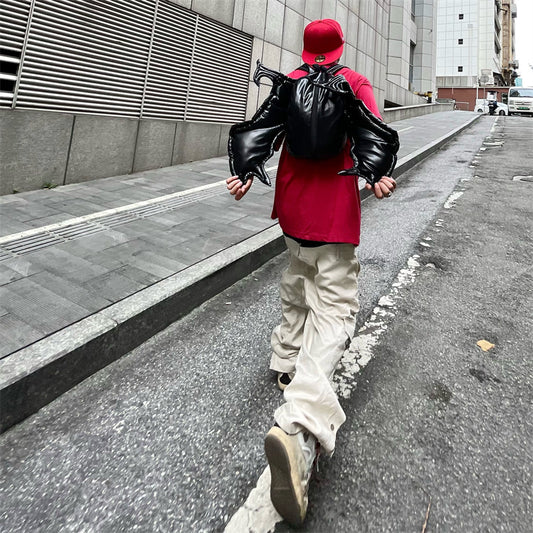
332,300
286,339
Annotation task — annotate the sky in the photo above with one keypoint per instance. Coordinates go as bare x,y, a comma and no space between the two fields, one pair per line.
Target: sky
524,40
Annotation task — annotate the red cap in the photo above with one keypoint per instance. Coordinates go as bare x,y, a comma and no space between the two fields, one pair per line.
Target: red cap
323,42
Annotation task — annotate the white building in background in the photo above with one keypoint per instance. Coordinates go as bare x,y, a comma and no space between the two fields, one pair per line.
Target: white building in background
469,43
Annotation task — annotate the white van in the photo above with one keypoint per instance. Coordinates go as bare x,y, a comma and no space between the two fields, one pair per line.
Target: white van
520,101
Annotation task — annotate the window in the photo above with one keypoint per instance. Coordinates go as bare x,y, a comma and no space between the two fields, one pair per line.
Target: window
461,16
459,69
459,41
521,93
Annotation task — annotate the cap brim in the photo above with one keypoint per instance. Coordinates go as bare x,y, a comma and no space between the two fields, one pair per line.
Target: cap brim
330,57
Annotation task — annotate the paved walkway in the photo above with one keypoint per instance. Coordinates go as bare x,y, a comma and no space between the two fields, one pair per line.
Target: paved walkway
69,254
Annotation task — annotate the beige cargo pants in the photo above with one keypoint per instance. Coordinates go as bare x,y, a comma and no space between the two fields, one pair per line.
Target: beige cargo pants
319,304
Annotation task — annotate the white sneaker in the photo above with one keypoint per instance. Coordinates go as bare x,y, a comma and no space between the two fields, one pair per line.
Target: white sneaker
291,459
284,379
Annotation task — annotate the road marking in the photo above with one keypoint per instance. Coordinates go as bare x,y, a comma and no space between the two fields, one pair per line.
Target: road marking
361,350
257,514
405,129
450,202
113,211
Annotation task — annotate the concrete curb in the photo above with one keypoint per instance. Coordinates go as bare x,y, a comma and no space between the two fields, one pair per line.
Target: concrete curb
34,376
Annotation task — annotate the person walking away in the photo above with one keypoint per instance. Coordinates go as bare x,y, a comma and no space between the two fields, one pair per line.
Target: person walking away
319,212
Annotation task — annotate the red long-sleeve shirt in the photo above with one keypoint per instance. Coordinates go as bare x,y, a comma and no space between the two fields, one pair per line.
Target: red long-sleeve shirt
311,201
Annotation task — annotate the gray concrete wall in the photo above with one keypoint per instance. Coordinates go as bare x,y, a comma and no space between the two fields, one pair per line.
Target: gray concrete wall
400,113
41,149
399,95
155,142
194,141
34,149
101,147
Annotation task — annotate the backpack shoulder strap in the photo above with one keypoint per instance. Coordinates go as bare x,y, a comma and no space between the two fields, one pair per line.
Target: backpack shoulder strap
335,68
305,67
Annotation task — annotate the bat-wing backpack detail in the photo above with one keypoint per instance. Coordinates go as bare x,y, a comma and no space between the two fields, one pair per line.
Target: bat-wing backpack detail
317,114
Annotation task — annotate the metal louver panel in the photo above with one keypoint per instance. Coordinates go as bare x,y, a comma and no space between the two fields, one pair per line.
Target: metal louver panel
220,72
87,57
170,63
133,58
13,23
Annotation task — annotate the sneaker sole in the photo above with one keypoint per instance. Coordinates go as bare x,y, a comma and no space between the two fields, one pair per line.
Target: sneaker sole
285,486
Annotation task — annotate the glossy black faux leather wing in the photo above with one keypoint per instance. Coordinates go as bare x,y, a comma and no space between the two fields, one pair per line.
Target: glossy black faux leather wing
251,143
374,145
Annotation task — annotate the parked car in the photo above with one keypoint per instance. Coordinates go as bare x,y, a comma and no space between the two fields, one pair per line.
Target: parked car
482,106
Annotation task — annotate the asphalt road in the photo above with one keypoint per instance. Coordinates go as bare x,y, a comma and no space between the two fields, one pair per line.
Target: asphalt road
170,438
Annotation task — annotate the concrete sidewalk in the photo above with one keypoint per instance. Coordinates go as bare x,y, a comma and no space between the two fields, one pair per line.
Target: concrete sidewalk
89,271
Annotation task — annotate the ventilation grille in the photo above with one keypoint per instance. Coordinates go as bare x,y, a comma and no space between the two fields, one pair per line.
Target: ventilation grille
218,79
133,58
170,63
13,23
87,56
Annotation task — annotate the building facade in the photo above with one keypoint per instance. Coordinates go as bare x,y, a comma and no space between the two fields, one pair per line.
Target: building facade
411,62
475,43
509,63
103,88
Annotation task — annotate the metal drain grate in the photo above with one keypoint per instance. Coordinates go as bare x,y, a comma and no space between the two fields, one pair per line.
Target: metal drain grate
78,230
62,232
5,255
29,244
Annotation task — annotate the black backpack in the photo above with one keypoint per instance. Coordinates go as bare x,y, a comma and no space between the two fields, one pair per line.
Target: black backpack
317,113
316,123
